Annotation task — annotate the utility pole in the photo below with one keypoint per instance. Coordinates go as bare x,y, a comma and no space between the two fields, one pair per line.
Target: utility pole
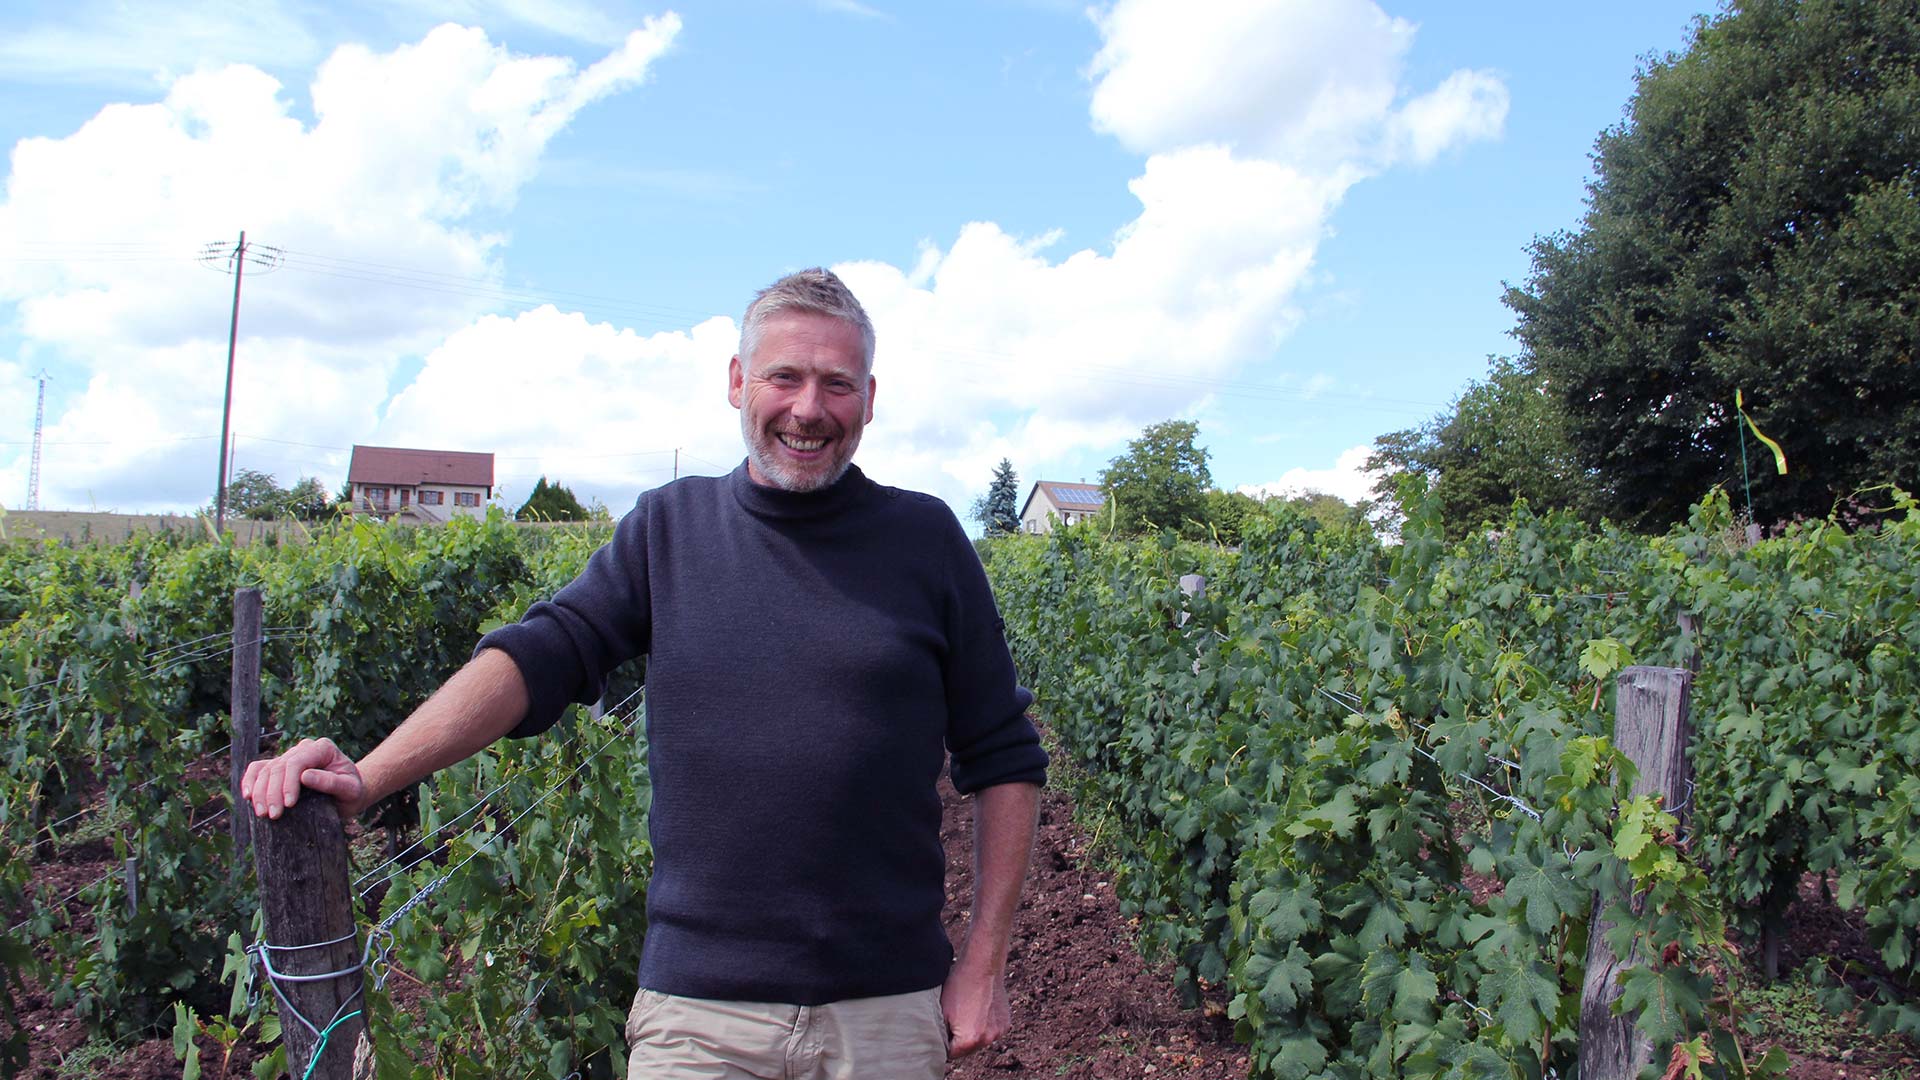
676,457
39,418
219,256
226,409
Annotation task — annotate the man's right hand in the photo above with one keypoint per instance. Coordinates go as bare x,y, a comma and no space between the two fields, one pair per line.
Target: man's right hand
273,784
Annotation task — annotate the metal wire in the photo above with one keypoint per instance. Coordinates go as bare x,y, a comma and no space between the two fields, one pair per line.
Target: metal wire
360,886
382,932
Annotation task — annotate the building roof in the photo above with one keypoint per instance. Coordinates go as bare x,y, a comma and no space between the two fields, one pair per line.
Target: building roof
1067,496
411,468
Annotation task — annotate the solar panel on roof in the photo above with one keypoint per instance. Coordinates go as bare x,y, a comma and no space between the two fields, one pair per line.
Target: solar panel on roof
1079,496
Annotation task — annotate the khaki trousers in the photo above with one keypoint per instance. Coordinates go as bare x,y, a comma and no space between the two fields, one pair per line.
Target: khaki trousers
898,1037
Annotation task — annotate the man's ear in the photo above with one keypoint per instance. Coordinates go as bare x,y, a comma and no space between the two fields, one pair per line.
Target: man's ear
736,380
871,384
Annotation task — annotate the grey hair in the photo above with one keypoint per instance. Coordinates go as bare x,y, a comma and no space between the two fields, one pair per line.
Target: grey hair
814,291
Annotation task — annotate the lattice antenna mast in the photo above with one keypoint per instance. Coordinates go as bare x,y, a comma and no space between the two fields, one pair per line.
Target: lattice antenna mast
234,259
39,421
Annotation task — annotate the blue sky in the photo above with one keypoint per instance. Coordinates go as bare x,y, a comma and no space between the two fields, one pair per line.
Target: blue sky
527,227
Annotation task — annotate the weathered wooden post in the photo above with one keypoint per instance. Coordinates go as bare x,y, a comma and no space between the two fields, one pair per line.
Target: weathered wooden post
245,704
1652,728
309,943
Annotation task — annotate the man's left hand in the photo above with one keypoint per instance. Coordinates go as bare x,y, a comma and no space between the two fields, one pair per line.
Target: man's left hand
975,1005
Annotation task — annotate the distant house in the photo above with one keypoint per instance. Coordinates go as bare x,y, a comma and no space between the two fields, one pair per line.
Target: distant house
420,485
1052,500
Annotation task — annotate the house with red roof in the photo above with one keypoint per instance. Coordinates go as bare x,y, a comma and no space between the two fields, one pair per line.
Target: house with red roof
426,486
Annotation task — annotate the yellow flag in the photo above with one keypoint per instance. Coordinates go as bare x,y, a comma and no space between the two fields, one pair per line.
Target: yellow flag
1779,455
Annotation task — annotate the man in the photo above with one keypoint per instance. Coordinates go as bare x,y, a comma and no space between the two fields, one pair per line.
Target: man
813,642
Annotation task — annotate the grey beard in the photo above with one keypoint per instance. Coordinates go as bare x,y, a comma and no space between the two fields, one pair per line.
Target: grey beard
761,455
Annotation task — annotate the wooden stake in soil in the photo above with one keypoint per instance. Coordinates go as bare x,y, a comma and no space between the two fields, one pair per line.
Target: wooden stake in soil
1651,727
245,702
301,860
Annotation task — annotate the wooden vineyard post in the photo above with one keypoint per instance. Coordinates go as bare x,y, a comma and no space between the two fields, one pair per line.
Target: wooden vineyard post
245,703
301,861
1652,728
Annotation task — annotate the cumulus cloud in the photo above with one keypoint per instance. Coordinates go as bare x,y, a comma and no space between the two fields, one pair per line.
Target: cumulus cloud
406,148
625,402
1314,83
1348,479
1467,106
1257,118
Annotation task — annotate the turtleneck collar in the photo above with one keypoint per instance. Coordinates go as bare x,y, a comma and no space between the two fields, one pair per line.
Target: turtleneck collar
771,502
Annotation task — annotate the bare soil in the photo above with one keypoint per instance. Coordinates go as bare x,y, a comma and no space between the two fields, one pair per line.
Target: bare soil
1085,1005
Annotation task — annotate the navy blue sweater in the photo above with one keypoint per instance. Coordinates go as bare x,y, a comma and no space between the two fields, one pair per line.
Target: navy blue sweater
808,657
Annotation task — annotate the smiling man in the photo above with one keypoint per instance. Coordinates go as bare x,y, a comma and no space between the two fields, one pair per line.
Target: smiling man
805,401
818,645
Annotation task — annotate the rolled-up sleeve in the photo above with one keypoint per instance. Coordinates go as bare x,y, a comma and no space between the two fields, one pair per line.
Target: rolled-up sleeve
567,646
989,736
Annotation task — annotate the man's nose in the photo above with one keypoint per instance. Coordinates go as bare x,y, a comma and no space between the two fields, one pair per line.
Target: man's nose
809,402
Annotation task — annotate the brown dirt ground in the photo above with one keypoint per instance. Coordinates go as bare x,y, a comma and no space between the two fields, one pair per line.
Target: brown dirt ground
1085,1005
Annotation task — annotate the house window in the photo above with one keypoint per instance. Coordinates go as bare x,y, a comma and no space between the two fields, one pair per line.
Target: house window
429,497
405,494
466,498
376,496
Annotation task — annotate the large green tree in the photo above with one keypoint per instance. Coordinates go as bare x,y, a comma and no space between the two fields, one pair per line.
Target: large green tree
998,511
1161,481
551,502
1754,224
1503,439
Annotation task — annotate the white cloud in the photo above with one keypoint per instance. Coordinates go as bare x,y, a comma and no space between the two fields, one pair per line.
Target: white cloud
599,407
1255,120
1313,83
1348,479
405,149
1001,344
1467,106
1084,349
